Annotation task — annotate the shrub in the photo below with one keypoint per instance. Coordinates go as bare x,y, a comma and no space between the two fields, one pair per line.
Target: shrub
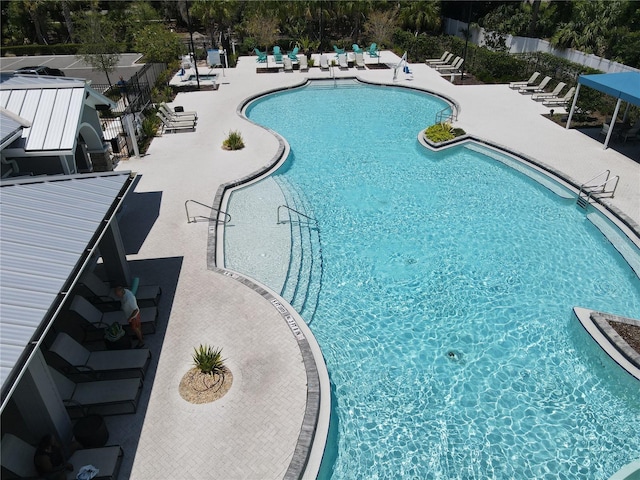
209,360
233,141
440,132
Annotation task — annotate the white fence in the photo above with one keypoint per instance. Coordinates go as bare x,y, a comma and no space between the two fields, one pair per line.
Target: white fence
525,44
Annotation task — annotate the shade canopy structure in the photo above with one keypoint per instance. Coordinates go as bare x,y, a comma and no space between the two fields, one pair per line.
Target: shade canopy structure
624,86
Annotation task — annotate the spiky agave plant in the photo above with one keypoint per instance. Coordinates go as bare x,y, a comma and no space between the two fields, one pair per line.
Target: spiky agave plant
209,360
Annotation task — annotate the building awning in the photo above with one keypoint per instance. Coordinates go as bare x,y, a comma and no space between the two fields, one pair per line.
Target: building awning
625,86
49,229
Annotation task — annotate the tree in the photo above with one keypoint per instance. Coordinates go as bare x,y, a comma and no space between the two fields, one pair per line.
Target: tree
99,47
380,26
263,28
158,44
420,16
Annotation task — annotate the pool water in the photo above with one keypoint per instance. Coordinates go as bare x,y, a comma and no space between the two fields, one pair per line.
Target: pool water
445,306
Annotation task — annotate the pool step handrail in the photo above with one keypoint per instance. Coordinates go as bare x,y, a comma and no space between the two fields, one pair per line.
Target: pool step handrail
295,211
588,190
451,114
190,219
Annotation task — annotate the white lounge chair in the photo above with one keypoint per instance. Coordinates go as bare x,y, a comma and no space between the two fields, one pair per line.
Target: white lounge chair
553,94
444,55
454,67
288,65
535,88
302,61
172,126
76,361
342,61
101,292
17,458
105,397
516,85
98,319
446,60
324,62
172,115
559,101
359,60
447,66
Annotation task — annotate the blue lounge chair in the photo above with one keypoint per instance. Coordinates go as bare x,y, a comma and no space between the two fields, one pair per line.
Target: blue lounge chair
293,54
338,50
373,50
262,56
356,48
277,54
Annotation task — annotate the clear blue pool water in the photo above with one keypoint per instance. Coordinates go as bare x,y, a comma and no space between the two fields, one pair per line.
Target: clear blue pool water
445,304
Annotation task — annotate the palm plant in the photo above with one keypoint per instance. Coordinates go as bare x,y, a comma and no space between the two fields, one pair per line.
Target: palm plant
209,360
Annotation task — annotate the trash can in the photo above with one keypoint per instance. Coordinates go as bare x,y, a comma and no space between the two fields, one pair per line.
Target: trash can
115,145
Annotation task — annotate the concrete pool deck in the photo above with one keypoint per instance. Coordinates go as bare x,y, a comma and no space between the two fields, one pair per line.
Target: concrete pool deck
253,431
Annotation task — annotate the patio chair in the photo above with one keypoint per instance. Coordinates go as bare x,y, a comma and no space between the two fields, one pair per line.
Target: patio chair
262,56
302,61
441,59
356,48
338,51
277,54
359,60
104,397
373,50
17,458
177,116
546,95
100,292
288,66
515,85
172,126
447,59
342,61
98,319
535,88
631,132
559,101
293,54
77,362
324,62
447,69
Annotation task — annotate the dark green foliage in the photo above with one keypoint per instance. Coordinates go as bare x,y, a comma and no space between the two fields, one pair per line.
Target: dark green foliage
209,360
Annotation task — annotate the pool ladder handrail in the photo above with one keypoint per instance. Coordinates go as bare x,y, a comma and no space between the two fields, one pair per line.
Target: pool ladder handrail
587,191
296,211
227,217
452,115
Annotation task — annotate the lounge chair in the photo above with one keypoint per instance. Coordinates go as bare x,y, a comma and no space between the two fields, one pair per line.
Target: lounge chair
324,62
262,56
356,48
177,116
293,54
338,51
553,94
277,54
447,69
446,61
441,59
342,61
631,132
169,125
534,76
302,62
373,50
101,292
104,397
359,60
535,88
77,362
559,101
98,319
17,458
288,66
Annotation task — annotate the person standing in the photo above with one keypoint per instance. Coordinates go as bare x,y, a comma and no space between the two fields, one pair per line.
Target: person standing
129,306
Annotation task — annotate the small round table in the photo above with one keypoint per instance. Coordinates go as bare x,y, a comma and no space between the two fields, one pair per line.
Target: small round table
91,431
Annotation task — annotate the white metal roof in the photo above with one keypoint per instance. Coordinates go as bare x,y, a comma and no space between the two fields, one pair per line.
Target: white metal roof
11,126
48,229
53,105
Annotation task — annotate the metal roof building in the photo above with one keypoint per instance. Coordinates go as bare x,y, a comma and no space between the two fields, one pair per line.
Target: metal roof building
49,229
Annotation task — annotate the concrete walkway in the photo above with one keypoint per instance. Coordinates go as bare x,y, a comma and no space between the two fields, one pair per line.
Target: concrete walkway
252,432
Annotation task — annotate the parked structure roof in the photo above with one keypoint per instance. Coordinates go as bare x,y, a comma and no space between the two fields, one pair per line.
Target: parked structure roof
624,85
49,228
53,106
11,126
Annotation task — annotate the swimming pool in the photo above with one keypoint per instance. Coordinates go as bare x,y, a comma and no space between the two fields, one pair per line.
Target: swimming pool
444,302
